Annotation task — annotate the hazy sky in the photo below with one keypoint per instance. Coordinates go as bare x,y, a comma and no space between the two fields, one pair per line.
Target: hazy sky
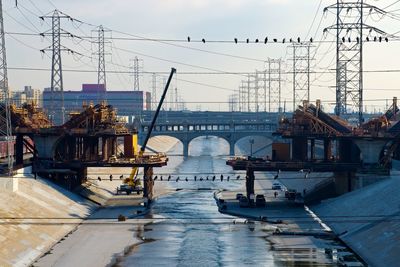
209,19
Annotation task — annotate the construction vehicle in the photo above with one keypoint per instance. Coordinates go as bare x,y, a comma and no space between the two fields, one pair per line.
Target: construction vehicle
133,183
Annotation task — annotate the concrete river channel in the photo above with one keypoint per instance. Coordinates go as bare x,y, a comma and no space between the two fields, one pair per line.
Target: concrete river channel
185,228
191,231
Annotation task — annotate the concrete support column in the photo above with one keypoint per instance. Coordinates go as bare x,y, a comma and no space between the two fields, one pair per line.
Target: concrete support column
148,183
19,150
231,148
104,148
185,148
249,183
299,149
327,149
370,150
312,149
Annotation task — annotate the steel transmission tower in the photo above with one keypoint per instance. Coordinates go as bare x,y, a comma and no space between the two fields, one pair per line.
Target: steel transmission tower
5,116
274,85
350,30
57,108
101,53
57,87
301,73
136,70
154,100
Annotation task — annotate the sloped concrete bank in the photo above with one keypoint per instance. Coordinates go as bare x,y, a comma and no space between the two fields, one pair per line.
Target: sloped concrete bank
35,217
367,220
39,213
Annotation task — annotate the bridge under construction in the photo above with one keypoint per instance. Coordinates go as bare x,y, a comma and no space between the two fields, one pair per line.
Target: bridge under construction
368,148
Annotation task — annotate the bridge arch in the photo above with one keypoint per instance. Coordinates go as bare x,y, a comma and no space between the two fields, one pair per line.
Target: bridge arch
226,147
166,142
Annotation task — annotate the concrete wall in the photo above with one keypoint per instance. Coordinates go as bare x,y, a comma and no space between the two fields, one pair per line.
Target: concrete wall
23,239
367,220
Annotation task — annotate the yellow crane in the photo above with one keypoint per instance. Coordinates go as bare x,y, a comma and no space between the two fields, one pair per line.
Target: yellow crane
132,180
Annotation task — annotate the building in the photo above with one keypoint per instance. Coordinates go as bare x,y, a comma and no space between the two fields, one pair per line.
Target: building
128,103
28,95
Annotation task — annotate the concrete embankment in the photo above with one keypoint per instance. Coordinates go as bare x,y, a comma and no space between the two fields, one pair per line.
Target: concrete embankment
367,220
35,217
40,213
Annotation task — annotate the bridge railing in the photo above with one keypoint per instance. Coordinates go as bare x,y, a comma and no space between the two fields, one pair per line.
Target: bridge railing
260,127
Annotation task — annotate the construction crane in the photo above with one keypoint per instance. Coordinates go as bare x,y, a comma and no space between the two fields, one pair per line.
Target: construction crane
133,183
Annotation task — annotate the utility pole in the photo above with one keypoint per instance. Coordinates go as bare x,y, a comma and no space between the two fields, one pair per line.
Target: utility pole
57,108
301,73
5,116
350,28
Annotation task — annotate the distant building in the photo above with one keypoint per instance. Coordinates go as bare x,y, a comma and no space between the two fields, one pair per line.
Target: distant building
127,103
28,95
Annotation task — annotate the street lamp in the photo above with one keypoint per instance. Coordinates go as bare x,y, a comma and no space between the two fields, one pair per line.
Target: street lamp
251,147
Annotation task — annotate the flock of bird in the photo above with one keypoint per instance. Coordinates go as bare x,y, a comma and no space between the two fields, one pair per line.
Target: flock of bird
275,40
291,40
209,178
195,178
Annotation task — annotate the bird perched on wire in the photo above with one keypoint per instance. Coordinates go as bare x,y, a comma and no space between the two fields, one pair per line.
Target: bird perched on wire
291,40
256,40
161,178
169,177
177,179
227,178
311,40
188,38
186,179
367,39
283,41
203,40
238,177
266,40
207,178
213,178
222,177
275,40
298,39
201,178
155,178
247,40
121,177
98,178
195,178
236,40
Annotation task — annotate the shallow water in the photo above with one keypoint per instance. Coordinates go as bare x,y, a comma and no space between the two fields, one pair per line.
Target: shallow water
193,233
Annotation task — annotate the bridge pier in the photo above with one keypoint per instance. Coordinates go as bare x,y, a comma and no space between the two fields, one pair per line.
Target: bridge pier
148,183
249,183
231,148
185,148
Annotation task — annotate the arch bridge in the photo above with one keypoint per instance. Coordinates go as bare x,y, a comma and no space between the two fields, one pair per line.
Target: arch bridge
230,131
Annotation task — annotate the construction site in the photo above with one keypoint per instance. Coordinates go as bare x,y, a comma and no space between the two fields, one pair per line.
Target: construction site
292,170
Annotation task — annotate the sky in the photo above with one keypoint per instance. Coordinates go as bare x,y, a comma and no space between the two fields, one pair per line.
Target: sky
209,88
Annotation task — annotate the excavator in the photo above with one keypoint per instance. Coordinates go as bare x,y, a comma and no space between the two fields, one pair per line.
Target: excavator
132,183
